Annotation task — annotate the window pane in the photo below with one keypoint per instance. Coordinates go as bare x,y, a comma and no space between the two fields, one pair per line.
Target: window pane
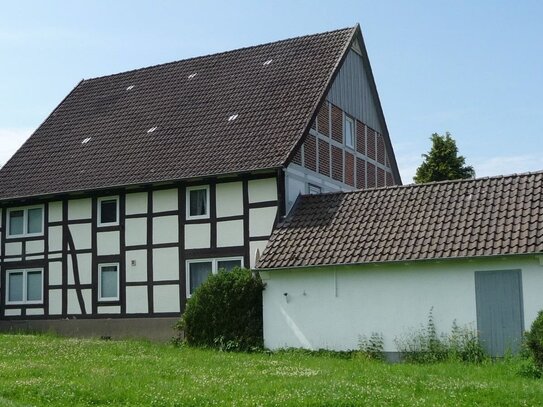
108,211
108,281
15,286
349,133
35,220
198,202
16,222
199,272
33,286
228,265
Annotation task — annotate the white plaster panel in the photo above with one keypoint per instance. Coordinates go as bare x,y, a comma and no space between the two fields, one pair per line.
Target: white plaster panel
55,238
165,200
261,190
230,233
136,231
12,312
55,273
256,248
165,229
14,249
84,263
166,264
136,300
136,203
55,256
197,236
35,257
81,234
34,246
55,211
322,311
55,302
229,198
166,298
34,311
261,221
13,259
108,243
73,303
79,209
109,309
138,271
87,300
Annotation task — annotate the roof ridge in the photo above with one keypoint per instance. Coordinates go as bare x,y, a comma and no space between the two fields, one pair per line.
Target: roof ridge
219,53
428,184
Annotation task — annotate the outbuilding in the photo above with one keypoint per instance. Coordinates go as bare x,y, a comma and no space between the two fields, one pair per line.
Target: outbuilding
344,265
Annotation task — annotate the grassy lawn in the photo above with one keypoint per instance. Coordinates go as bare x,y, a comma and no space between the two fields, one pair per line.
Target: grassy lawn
50,371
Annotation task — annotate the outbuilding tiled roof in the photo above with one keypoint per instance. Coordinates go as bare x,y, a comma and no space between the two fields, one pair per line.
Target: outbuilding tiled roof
453,219
232,112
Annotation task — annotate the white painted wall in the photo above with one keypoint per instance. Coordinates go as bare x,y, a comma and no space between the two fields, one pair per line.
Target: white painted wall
330,307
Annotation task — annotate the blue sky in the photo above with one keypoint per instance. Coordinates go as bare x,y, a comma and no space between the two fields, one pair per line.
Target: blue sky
474,68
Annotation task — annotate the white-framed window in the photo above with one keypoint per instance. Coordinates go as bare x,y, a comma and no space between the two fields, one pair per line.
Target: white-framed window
313,189
199,270
24,286
108,211
198,202
348,130
108,282
25,221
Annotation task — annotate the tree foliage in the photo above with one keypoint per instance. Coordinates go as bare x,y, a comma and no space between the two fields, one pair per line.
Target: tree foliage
443,162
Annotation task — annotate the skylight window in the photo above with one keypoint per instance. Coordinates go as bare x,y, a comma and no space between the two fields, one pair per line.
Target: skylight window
130,87
152,129
233,117
85,141
269,61
192,75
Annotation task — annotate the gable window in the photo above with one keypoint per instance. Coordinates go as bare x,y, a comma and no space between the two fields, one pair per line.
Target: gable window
26,221
24,286
313,189
349,132
108,284
199,270
198,202
108,211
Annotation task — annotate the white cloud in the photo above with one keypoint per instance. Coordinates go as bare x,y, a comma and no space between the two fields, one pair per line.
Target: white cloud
508,165
10,141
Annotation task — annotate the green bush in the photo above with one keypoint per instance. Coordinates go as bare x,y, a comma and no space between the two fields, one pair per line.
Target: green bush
225,312
427,346
534,342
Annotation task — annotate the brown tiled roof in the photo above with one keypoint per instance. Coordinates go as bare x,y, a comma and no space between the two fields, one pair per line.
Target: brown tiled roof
189,102
452,219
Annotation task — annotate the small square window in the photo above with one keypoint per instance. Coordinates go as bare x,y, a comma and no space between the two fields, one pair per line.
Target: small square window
108,211
349,132
197,202
24,286
199,271
109,282
314,189
26,221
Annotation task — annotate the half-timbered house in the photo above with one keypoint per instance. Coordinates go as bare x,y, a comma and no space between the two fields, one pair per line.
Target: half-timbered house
141,184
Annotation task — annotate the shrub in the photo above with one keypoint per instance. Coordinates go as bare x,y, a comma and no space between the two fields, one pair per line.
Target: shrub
427,346
372,347
225,312
534,341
